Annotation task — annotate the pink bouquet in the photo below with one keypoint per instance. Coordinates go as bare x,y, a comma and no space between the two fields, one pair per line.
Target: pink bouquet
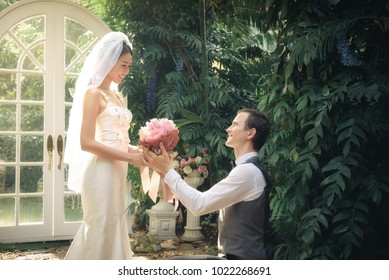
156,131
150,136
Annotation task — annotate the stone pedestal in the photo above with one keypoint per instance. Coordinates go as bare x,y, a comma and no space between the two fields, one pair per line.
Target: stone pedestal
193,228
162,220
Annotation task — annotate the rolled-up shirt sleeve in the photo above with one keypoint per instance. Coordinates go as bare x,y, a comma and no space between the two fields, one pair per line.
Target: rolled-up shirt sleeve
245,182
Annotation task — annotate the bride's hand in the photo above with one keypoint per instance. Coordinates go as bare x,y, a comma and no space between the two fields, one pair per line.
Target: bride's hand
136,156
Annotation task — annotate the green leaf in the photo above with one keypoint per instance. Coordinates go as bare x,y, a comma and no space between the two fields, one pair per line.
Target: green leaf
341,229
344,135
294,155
311,213
302,103
361,206
190,116
386,23
182,122
351,131
318,216
154,52
308,236
323,220
346,148
342,216
334,165
330,193
360,218
375,185
288,70
345,171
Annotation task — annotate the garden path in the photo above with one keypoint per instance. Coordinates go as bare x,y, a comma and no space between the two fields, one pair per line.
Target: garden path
56,250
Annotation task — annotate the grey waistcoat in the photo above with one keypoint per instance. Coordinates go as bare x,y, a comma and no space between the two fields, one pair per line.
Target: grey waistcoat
242,231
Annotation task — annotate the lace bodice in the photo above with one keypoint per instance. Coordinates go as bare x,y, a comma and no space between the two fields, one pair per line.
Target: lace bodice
112,126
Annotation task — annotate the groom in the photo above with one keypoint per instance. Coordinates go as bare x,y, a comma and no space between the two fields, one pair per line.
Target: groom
242,197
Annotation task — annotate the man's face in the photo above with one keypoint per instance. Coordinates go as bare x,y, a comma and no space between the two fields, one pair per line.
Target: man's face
237,132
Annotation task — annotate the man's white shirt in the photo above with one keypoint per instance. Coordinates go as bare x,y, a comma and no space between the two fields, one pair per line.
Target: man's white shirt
244,183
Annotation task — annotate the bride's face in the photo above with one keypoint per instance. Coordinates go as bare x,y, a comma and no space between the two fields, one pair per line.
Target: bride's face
120,70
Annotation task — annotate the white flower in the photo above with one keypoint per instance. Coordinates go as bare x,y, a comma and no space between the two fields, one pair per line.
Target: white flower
187,169
176,164
198,160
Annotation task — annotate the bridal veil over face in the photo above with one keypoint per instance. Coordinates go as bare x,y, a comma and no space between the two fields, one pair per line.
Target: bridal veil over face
96,67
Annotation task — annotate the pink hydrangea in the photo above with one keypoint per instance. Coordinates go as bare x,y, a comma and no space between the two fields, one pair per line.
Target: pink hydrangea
156,131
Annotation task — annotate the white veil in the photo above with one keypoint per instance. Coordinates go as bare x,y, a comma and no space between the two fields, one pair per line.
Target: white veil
96,67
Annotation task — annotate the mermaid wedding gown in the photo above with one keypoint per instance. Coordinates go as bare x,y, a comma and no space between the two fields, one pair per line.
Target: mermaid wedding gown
103,234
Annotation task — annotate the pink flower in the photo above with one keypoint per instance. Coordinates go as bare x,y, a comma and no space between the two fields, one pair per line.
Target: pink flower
156,131
202,168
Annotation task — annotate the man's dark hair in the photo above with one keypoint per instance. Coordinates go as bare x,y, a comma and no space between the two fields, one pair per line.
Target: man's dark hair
259,121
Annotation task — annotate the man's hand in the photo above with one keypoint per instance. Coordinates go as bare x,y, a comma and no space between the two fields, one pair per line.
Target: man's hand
160,163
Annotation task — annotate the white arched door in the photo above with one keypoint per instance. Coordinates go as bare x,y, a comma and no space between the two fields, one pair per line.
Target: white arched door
43,45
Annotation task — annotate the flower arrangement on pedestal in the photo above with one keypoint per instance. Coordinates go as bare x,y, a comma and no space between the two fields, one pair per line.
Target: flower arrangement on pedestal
192,166
194,170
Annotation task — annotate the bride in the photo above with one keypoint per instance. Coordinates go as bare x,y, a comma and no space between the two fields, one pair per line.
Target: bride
98,152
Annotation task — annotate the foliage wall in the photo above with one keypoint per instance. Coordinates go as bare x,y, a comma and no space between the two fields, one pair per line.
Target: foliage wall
329,99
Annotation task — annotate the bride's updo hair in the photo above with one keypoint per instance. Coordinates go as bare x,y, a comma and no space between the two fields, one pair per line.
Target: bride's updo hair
126,49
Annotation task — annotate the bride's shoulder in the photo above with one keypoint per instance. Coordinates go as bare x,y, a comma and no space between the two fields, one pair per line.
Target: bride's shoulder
93,91
94,94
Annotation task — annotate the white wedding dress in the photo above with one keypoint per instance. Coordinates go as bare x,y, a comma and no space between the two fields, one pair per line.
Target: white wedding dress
103,234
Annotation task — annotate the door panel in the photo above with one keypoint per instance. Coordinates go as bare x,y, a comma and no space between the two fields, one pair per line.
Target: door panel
38,69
